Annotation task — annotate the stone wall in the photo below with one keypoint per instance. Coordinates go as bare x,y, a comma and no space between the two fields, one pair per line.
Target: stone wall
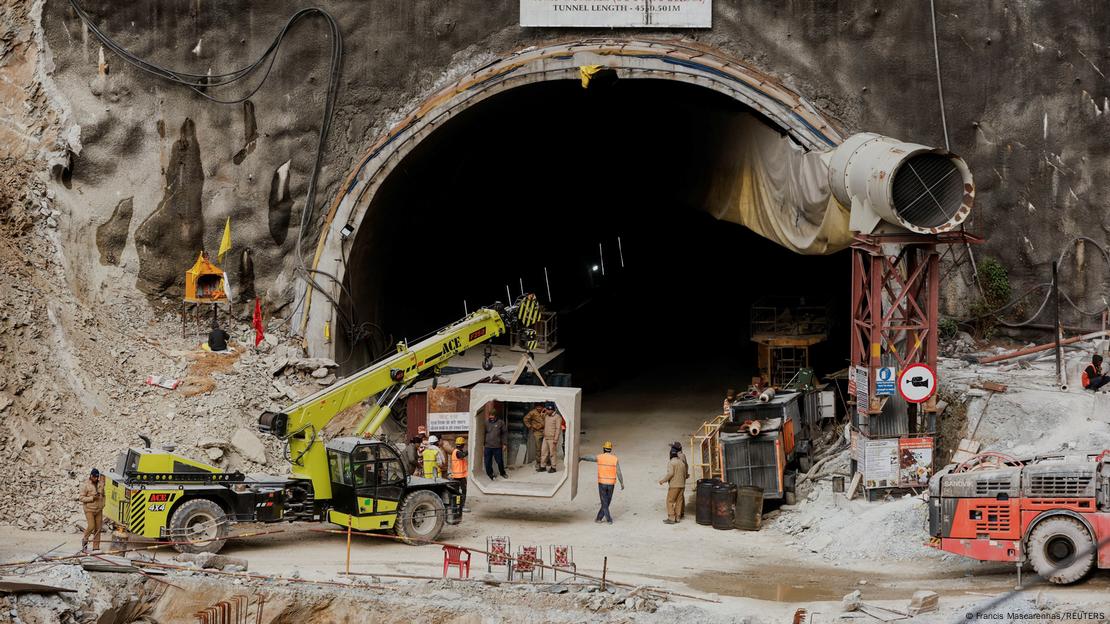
1024,89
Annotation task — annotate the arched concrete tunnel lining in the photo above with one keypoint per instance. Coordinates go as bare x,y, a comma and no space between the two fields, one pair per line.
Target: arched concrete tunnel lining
537,178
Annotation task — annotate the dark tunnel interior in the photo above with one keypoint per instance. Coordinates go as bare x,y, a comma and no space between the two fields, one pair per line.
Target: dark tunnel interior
602,191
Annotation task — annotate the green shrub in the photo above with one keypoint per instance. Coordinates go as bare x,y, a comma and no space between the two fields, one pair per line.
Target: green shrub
948,328
996,293
996,282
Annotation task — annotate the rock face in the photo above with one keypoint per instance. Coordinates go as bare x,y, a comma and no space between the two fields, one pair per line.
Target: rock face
170,239
247,445
862,66
111,237
280,204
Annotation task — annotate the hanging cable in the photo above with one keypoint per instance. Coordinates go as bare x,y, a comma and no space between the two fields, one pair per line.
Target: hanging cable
1048,295
944,127
201,83
940,89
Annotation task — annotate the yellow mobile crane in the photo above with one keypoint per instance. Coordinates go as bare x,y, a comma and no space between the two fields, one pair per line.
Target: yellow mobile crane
353,480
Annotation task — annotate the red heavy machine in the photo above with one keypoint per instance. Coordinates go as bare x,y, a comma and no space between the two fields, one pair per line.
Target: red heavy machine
1052,511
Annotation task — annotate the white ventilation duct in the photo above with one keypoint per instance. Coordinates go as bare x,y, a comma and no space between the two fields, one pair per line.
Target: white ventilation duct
895,186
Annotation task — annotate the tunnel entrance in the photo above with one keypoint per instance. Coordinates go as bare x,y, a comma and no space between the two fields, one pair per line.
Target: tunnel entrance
595,199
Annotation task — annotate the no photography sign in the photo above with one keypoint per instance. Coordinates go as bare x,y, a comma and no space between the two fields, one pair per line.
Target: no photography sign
917,383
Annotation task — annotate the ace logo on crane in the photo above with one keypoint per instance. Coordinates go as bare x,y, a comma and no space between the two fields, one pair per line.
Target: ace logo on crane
451,346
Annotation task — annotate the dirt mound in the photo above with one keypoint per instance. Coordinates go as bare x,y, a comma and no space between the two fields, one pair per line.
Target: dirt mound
120,598
198,377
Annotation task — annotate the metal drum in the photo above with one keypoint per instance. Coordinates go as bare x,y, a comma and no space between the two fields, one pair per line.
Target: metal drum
749,508
724,505
703,501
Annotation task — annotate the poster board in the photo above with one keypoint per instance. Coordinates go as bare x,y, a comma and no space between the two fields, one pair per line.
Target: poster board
915,461
863,395
880,463
448,409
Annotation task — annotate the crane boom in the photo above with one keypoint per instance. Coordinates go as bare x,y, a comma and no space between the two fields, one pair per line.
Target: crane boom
301,424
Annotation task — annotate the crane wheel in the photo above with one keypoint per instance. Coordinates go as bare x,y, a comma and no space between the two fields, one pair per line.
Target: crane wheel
201,522
420,518
1061,550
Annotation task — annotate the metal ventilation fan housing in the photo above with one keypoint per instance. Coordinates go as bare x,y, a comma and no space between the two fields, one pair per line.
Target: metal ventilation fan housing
887,182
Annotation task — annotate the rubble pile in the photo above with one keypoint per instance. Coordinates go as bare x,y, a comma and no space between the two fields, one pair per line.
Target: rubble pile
74,391
835,528
1033,415
376,599
962,343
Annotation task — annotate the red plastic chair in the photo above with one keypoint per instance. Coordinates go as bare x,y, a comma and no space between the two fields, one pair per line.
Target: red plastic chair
453,556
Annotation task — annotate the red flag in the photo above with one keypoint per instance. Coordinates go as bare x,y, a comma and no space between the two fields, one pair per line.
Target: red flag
258,333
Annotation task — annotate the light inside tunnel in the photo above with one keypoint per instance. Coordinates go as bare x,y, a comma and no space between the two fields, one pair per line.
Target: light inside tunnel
533,187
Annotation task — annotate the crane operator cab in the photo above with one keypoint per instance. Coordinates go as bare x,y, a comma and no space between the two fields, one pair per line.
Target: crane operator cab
372,492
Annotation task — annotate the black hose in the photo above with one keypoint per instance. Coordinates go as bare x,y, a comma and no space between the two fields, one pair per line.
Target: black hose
200,83
1044,302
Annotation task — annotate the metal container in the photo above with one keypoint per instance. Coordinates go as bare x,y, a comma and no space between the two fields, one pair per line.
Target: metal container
749,508
559,380
703,501
892,422
724,506
753,461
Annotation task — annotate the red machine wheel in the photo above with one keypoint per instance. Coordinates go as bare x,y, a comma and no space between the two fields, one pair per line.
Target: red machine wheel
1061,550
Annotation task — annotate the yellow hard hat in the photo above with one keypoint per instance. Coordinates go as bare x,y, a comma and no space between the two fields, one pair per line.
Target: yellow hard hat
460,440
608,446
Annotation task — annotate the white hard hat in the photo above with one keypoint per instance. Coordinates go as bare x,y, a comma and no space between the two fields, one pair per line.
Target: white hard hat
432,439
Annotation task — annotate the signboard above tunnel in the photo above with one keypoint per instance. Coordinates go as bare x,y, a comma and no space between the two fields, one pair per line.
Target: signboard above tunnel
617,13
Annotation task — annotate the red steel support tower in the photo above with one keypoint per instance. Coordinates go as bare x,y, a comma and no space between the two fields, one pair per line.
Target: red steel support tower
895,294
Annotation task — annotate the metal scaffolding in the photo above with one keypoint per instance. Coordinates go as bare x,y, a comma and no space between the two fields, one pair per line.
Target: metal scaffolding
895,294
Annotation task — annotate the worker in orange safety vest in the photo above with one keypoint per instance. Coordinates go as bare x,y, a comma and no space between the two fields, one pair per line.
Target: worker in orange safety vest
458,469
608,473
1093,379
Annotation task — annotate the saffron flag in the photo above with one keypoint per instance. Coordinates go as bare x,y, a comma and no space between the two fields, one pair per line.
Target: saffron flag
586,73
225,242
258,333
